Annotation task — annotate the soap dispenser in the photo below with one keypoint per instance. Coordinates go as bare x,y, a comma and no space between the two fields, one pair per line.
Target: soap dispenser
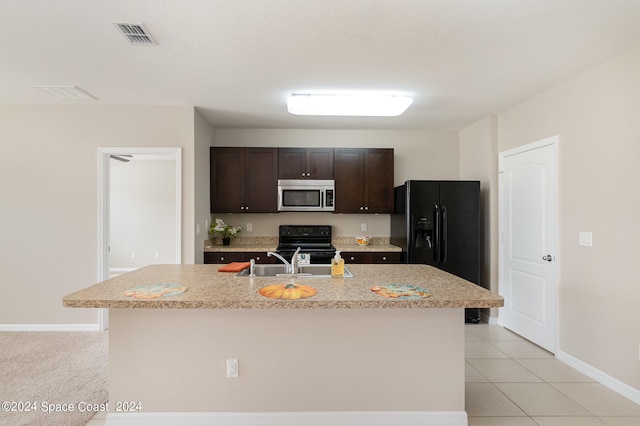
337,266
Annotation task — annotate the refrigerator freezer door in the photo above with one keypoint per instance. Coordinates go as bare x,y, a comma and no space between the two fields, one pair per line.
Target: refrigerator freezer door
422,196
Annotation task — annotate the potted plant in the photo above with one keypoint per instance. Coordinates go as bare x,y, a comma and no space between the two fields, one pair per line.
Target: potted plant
225,231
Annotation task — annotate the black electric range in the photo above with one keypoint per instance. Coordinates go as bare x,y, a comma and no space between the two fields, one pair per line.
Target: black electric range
314,240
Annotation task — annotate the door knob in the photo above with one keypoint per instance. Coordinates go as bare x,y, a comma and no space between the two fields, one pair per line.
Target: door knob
548,258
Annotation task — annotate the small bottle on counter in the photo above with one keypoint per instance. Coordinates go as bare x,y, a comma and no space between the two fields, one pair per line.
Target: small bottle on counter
337,266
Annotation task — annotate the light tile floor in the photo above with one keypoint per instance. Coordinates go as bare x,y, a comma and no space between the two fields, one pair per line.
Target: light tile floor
512,382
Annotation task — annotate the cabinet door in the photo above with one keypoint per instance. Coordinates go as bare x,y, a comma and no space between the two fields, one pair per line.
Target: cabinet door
305,163
320,163
292,163
349,180
261,174
227,179
378,178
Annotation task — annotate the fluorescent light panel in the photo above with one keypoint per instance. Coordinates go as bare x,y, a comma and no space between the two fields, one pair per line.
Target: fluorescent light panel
350,104
68,93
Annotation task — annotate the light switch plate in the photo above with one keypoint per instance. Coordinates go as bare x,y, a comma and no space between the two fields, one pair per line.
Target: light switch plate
585,238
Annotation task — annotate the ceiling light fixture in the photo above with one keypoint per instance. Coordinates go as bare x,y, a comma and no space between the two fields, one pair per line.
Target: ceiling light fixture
68,93
348,104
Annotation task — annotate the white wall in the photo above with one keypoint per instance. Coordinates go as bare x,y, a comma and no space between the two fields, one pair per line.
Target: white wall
204,138
479,161
142,212
48,206
595,115
418,155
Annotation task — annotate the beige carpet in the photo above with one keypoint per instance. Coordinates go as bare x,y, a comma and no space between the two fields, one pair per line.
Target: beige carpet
52,368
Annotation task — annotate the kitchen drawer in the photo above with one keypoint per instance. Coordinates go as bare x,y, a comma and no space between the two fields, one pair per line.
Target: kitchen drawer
236,256
371,257
386,257
356,257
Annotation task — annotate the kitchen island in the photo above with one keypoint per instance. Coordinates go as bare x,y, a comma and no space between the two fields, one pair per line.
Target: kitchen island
343,356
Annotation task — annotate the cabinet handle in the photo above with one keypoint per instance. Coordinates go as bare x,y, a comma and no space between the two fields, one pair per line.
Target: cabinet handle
352,258
241,207
361,208
366,208
221,258
384,257
257,257
246,208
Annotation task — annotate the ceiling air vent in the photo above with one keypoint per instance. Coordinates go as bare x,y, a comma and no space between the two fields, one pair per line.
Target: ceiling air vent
136,34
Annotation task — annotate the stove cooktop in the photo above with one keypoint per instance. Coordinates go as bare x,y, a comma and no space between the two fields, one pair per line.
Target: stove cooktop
313,239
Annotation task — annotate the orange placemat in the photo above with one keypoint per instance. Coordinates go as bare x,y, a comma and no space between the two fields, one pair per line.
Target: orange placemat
235,267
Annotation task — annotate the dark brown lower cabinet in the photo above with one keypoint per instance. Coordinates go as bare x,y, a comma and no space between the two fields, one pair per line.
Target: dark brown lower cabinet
236,256
371,256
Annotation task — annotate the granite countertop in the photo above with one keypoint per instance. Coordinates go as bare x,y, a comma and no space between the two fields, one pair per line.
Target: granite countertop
210,289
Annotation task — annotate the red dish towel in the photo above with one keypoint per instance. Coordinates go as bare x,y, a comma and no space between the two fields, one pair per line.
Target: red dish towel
235,267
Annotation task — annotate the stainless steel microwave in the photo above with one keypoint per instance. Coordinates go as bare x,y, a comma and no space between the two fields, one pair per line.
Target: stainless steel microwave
306,195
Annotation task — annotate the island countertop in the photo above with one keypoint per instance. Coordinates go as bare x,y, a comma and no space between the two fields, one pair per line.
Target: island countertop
210,289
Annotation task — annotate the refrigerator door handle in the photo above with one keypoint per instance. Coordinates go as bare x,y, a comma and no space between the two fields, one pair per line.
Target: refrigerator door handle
444,234
436,239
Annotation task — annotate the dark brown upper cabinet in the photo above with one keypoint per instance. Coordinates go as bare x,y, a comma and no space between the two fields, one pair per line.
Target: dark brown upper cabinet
364,180
244,180
305,163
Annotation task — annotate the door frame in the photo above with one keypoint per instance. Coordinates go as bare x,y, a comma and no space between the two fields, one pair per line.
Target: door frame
550,141
104,168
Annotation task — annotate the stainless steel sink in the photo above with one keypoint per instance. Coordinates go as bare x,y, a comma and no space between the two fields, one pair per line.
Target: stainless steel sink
305,271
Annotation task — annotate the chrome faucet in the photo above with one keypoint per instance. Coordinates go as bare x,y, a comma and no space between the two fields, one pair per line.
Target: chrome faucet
294,261
252,268
288,265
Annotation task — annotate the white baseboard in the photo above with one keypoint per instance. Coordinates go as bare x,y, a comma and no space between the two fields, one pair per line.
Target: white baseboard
600,376
351,418
49,327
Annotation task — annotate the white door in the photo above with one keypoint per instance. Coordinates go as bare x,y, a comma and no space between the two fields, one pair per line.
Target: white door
528,241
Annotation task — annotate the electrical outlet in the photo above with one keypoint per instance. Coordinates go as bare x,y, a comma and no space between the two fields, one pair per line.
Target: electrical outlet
157,255
363,227
197,229
232,368
133,254
249,227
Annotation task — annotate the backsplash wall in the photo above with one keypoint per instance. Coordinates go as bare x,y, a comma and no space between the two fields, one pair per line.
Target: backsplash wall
343,225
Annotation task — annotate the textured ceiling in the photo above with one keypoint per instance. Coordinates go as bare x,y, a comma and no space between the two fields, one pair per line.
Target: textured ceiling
238,60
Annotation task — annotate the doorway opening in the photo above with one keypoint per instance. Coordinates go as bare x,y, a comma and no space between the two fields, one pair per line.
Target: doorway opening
140,205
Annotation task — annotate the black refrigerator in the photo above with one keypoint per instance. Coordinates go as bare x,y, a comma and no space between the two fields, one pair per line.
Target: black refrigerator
438,223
